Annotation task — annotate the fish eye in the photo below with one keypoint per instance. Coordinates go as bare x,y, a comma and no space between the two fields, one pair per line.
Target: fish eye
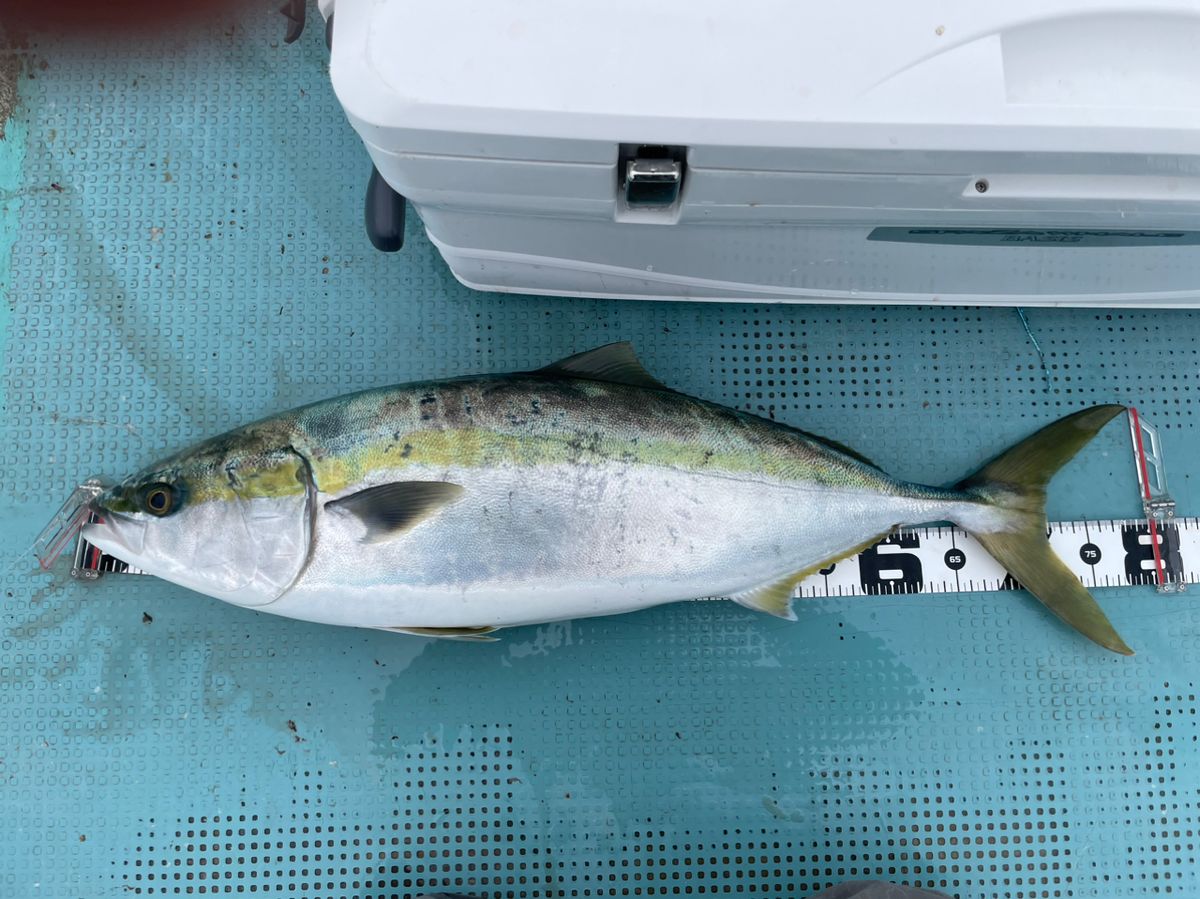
158,499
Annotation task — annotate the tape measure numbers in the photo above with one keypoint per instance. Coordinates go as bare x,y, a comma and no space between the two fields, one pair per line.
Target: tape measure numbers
948,560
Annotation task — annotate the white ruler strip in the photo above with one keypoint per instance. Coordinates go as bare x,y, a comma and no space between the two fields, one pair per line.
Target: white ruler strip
947,560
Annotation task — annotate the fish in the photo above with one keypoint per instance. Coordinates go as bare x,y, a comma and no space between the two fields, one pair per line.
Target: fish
454,508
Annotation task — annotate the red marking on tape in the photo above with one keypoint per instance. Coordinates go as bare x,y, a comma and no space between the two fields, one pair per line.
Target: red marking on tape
1141,459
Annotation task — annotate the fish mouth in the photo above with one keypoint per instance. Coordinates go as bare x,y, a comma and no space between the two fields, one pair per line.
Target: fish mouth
115,534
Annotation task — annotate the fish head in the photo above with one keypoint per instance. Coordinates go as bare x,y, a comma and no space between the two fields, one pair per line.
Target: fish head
231,518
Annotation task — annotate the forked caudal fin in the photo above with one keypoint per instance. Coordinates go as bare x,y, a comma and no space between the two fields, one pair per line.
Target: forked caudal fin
1016,482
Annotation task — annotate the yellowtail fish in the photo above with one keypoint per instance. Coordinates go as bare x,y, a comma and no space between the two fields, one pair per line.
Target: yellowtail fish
453,508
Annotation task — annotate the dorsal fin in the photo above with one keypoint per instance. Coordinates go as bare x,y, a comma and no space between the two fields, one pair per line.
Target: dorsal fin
615,362
841,448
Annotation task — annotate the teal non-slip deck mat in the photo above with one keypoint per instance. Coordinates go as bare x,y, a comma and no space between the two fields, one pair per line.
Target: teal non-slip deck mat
181,250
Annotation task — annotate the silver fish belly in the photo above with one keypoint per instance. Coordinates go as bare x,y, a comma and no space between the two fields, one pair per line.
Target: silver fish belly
528,545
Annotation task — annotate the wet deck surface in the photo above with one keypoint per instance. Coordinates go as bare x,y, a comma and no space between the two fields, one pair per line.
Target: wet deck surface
181,250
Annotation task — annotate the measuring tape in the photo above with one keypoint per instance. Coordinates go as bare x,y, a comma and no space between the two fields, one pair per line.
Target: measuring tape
1159,550
948,560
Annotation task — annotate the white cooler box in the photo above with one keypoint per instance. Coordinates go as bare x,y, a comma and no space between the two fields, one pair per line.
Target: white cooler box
933,151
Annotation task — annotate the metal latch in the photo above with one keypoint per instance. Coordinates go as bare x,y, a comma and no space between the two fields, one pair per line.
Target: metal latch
652,182
1151,472
1156,501
651,176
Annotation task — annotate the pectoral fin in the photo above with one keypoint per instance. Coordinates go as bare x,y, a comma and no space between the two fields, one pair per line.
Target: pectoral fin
389,510
466,634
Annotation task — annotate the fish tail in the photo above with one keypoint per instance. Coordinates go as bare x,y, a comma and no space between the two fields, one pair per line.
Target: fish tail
1014,485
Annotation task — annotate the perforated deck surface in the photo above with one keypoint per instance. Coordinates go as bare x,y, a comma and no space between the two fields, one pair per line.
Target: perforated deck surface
184,228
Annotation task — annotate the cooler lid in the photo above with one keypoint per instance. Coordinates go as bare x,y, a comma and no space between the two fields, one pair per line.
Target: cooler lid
1026,75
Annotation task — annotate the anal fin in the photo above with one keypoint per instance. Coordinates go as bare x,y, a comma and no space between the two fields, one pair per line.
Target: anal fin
465,634
775,598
